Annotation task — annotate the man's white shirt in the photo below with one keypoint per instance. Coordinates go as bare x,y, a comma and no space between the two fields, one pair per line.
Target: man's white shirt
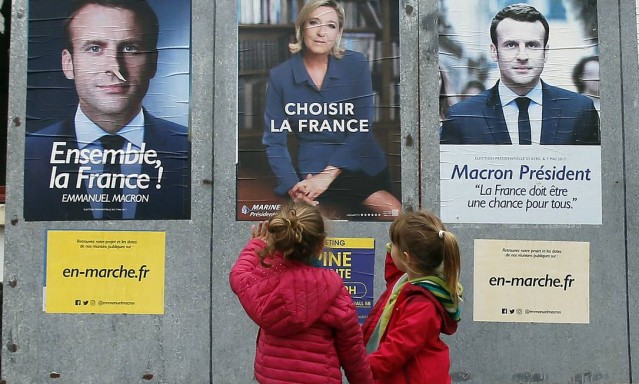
511,112
88,134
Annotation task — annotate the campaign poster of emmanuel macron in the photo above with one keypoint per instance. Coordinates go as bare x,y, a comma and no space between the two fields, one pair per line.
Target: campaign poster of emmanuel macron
107,134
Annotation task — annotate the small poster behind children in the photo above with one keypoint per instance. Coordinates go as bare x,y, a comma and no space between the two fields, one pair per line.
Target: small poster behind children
354,260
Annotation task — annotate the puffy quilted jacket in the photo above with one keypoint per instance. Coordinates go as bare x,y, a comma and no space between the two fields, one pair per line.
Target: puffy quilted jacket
308,324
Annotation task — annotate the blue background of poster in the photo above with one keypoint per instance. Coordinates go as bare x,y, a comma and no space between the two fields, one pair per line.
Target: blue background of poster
51,97
362,266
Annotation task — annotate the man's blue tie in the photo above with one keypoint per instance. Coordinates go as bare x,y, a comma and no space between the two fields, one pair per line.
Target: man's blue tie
523,120
112,209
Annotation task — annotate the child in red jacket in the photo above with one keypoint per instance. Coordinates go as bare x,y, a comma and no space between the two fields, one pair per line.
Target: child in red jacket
307,319
421,301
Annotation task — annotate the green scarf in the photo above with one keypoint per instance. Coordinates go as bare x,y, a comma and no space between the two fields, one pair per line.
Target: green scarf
438,287
434,284
373,342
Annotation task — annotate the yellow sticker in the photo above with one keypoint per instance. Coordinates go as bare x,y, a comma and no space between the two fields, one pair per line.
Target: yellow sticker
350,242
104,272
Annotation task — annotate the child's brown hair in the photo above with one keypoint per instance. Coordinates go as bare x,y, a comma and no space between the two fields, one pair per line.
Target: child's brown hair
435,250
297,231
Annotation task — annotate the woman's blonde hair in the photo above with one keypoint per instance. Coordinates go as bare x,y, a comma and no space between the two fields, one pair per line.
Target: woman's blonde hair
297,231
304,15
423,235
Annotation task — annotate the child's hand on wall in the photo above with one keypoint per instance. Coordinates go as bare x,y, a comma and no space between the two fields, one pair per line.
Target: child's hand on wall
261,231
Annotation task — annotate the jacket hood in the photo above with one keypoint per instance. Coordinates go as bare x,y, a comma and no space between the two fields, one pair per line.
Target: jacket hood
448,326
289,296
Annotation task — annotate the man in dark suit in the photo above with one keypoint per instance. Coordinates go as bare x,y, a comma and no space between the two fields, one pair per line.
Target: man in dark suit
520,100
113,159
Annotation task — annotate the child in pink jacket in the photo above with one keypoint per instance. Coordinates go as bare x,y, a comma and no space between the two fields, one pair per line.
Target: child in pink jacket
307,319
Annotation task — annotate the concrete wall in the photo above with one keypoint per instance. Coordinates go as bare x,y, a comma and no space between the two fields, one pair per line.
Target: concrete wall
204,335
171,348
491,352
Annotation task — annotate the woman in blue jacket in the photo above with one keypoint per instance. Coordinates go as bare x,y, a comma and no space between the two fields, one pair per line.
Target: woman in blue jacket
323,95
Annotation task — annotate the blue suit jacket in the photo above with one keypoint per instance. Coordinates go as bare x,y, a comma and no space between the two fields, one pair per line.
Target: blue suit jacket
172,201
568,118
348,80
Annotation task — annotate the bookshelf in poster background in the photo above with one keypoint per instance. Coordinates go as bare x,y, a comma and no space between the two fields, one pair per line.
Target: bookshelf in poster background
267,27
359,14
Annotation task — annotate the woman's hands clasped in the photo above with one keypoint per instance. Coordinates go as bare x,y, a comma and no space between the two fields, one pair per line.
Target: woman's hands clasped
309,189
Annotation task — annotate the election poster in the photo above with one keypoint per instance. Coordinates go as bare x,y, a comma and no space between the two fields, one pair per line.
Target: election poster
353,259
318,109
107,131
104,272
520,135
526,281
